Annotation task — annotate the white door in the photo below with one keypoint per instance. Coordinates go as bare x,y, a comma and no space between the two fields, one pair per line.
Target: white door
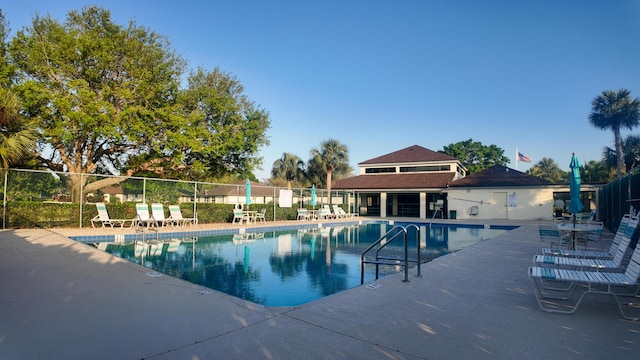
500,205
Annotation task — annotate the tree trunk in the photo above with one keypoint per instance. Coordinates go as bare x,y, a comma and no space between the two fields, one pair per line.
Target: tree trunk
329,175
77,181
619,154
75,185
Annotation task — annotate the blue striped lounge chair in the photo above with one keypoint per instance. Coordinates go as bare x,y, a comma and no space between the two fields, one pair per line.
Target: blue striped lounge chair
560,299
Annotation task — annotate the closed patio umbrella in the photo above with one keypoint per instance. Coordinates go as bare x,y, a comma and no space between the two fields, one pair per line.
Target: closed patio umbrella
574,185
313,196
248,193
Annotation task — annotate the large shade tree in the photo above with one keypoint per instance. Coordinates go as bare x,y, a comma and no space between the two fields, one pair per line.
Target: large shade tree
615,110
289,167
107,100
223,131
475,156
331,156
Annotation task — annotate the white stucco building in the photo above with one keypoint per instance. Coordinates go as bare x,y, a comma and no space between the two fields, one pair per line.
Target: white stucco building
418,182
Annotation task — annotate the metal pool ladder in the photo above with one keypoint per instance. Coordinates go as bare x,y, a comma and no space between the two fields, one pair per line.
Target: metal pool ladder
391,235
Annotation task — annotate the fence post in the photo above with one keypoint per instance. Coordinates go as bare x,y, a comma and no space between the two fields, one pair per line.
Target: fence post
81,197
4,200
195,198
274,204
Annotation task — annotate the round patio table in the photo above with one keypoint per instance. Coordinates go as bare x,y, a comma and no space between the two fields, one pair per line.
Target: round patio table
575,229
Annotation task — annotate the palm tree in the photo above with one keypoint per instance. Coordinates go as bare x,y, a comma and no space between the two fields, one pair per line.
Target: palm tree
615,110
17,135
597,172
333,156
547,169
290,167
316,174
630,151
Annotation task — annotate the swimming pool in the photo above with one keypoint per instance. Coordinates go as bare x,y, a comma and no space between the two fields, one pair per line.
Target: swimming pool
286,267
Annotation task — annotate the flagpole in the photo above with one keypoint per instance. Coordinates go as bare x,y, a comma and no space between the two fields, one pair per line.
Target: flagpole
516,158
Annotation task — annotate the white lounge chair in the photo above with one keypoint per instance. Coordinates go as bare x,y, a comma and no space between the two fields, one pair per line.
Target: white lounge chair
157,210
341,211
337,213
615,284
175,214
325,213
610,254
615,264
143,218
103,217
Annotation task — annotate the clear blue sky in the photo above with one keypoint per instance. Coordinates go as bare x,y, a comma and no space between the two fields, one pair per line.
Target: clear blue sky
379,76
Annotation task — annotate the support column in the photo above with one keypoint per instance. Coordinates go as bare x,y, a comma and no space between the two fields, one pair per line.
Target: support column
423,205
383,204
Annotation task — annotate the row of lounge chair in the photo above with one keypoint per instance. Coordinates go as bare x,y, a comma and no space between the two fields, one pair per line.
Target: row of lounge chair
324,213
155,218
558,273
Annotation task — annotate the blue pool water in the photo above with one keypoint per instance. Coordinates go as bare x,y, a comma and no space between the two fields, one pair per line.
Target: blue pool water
286,267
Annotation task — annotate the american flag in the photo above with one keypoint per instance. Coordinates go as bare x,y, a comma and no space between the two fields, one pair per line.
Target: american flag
524,158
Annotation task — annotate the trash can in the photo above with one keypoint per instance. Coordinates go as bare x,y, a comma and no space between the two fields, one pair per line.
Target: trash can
453,214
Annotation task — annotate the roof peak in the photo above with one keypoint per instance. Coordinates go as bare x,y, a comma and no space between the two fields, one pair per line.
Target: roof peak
413,153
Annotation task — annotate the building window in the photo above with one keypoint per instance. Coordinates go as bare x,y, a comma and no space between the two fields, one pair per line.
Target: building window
427,168
380,170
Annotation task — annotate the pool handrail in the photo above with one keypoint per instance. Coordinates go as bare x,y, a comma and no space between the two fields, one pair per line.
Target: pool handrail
391,235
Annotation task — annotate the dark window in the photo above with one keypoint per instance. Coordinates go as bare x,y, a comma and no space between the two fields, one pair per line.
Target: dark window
428,168
379,170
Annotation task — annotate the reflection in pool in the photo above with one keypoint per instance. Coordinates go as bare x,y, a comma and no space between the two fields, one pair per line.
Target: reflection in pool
286,267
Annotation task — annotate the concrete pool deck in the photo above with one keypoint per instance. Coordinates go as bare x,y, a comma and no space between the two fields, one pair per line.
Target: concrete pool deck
61,299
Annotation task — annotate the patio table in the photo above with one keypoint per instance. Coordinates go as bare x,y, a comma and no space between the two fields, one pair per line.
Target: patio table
575,229
251,215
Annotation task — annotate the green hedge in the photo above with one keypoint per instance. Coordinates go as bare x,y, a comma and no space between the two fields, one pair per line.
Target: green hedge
31,214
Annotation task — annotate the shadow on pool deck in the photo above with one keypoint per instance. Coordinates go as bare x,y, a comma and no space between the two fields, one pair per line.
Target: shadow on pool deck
66,300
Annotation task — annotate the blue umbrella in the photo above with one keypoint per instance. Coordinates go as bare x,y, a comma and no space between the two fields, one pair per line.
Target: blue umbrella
248,193
313,196
574,185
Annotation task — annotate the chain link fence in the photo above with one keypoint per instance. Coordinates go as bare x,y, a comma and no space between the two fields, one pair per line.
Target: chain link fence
33,198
